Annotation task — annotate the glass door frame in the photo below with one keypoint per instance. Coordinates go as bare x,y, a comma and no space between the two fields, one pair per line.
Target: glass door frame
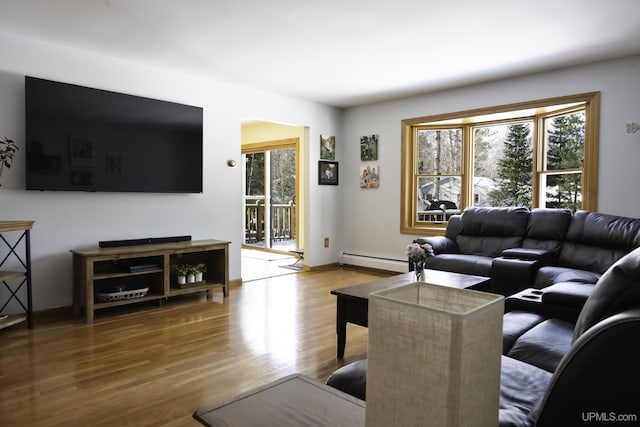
290,143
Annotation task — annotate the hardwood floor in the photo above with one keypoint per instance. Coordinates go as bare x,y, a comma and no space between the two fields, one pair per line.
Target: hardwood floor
154,366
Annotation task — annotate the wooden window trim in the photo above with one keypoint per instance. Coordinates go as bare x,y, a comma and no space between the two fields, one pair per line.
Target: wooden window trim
408,193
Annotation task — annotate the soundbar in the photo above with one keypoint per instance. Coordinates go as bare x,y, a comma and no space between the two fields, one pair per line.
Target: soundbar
143,241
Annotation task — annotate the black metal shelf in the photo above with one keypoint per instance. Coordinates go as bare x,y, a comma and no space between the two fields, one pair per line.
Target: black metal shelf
15,235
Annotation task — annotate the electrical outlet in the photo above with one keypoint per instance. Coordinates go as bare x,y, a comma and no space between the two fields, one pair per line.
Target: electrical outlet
326,242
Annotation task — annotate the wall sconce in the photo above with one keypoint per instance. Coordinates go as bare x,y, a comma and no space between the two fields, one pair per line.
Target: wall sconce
231,164
633,127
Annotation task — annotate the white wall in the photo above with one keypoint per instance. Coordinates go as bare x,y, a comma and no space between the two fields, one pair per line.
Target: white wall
67,220
355,220
373,216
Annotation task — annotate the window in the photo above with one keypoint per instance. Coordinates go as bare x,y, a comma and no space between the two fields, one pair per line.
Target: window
533,154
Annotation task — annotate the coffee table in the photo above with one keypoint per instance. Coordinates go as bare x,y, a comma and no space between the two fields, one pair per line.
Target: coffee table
353,301
295,400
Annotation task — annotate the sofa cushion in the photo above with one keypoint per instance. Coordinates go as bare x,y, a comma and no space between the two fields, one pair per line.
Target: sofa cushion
546,229
516,323
544,345
595,241
490,246
521,387
489,231
618,289
504,222
478,265
552,274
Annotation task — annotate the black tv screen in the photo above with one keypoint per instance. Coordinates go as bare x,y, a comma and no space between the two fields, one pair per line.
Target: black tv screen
85,139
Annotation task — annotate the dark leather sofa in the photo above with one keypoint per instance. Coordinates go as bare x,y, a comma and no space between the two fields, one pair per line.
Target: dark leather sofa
520,248
559,371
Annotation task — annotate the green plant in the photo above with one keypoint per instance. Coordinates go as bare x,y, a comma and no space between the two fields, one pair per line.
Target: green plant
201,267
183,269
8,149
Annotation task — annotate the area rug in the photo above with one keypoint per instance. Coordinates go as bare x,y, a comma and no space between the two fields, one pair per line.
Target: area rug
264,256
296,267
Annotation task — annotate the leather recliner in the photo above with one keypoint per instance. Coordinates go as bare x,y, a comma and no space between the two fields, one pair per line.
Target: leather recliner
558,371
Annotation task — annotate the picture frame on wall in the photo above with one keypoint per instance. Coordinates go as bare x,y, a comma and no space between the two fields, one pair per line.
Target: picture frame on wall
327,173
369,147
369,176
327,147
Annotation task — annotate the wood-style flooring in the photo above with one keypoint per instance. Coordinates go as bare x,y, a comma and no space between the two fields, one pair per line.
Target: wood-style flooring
150,365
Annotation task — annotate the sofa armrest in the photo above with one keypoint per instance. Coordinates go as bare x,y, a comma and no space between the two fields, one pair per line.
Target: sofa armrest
544,256
510,275
571,294
351,379
440,244
563,300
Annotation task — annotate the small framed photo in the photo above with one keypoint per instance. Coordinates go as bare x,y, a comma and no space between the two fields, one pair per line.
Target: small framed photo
327,147
369,147
369,176
327,173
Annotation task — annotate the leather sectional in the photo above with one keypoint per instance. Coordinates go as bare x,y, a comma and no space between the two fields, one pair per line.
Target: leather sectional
559,369
520,248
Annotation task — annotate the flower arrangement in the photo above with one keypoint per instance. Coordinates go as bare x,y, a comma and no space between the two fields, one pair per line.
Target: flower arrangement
418,254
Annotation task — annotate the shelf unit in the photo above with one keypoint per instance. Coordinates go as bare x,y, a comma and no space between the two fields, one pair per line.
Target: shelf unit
14,236
110,270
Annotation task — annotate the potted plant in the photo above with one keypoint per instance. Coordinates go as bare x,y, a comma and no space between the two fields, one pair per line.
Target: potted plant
182,270
8,149
201,267
191,274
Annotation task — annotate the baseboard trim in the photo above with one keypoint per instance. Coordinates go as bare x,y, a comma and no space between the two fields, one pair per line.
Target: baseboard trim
322,267
380,271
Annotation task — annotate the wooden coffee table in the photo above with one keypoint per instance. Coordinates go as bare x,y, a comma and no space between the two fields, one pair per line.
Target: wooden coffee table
353,301
295,400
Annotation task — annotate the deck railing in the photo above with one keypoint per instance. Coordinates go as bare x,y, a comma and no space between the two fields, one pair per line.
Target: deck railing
283,221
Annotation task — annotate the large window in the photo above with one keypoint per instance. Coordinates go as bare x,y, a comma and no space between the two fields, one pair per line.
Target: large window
534,154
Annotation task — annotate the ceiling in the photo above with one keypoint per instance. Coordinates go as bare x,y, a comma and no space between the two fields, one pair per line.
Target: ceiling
338,52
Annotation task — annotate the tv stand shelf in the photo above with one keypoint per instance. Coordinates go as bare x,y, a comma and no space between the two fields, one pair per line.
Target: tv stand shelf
107,271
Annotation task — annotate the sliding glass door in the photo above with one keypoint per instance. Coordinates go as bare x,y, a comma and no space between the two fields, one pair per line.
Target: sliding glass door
270,197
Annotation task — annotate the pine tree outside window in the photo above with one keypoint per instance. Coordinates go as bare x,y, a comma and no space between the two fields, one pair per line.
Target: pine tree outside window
534,154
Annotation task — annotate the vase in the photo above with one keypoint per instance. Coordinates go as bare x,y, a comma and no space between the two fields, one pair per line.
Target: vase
418,269
191,278
199,277
182,280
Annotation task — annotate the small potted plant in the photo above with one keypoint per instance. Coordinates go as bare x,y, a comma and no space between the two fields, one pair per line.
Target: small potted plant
201,267
8,149
191,273
182,270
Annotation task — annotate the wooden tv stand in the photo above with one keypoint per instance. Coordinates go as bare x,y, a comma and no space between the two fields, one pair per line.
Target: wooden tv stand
97,272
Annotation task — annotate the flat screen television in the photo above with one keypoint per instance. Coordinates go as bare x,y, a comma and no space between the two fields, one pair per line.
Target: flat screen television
85,139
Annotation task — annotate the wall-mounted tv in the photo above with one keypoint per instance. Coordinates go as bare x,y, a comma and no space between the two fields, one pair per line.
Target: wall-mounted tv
85,139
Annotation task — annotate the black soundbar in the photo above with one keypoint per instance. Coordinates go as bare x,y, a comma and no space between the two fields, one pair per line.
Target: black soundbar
144,241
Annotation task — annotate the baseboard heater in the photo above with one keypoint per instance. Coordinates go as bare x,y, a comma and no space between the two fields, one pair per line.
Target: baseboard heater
370,261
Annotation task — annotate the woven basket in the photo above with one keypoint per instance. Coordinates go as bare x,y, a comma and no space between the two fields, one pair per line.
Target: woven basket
122,295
